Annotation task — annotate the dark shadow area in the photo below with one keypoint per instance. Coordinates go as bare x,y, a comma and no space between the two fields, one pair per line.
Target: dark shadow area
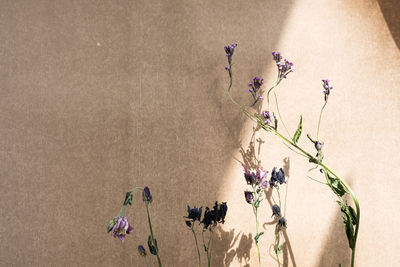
223,251
390,11
336,249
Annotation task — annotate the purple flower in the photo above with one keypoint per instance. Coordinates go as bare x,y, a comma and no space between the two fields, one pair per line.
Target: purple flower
255,86
255,177
277,177
229,51
285,67
267,116
327,89
277,56
119,227
146,195
142,251
249,196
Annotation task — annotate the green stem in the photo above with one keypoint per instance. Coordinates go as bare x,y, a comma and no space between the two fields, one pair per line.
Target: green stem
197,246
320,116
152,235
311,159
279,113
145,260
277,247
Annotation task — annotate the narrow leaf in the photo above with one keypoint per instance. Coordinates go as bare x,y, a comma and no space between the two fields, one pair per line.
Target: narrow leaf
297,134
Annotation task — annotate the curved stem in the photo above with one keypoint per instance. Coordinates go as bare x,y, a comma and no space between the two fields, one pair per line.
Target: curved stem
279,113
320,116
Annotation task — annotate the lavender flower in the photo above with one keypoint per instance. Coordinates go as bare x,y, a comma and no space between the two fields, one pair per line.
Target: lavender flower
285,67
147,197
119,227
277,177
229,51
268,117
282,222
142,251
276,210
327,89
255,86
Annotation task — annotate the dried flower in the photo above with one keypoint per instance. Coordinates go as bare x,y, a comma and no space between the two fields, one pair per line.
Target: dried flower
255,86
277,177
193,215
255,177
119,227
285,67
249,196
268,118
220,211
147,197
327,89
282,222
229,51
276,210
142,251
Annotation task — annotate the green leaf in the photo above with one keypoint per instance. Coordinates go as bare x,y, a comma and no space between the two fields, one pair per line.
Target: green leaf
349,220
335,184
275,122
258,236
297,134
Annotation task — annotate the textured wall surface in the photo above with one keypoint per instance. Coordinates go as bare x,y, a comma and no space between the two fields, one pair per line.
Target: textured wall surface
97,97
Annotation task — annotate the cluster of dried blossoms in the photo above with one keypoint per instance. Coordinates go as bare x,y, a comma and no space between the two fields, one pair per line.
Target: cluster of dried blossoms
269,122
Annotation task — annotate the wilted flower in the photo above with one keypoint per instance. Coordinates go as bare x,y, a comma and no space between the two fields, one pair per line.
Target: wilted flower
276,210
282,222
285,67
277,177
327,89
119,227
142,251
249,197
193,215
146,195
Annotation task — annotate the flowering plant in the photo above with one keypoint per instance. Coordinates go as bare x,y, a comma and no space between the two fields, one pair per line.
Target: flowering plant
269,122
119,226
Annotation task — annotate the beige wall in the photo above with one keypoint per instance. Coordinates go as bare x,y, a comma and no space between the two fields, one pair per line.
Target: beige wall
100,96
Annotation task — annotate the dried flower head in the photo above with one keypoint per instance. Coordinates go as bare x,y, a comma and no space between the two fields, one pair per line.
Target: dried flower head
147,197
255,177
276,210
193,215
282,222
285,67
327,89
119,227
249,196
277,177
142,251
